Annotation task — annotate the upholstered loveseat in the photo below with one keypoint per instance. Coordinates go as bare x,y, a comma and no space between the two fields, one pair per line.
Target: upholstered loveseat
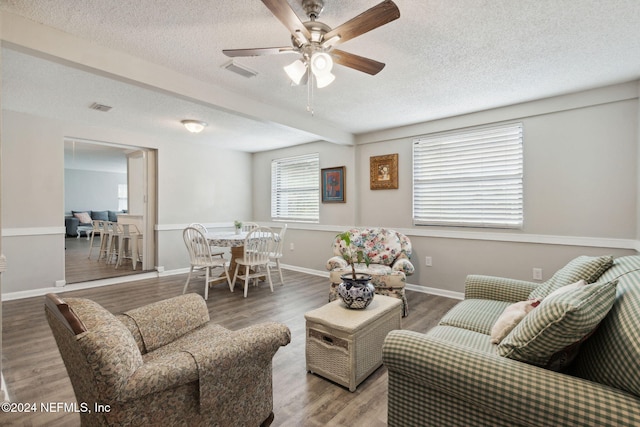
389,252
453,375
165,364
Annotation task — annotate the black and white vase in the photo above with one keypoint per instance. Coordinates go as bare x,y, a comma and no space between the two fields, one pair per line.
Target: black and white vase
356,293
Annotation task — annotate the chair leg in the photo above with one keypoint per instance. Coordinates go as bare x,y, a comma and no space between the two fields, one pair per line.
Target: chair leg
235,276
246,281
226,272
206,283
93,233
279,271
186,285
269,277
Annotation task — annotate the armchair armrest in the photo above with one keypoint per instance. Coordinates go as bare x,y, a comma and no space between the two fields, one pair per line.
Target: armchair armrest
512,391
403,264
497,288
335,263
162,373
164,321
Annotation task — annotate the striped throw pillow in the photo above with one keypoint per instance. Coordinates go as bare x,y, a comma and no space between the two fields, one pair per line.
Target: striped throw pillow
584,268
558,322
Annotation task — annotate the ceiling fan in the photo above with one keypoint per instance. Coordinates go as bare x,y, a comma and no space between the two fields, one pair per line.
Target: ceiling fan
315,40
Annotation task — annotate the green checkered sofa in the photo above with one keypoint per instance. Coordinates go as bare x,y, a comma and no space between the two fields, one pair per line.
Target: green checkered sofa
454,376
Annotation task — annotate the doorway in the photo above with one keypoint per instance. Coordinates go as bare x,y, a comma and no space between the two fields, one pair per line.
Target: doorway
108,181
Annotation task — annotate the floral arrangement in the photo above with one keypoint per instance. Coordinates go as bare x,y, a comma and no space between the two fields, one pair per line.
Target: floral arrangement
237,224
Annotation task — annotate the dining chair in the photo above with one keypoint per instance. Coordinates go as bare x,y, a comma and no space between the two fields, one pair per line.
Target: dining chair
201,258
276,253
204,231
257,248
248,226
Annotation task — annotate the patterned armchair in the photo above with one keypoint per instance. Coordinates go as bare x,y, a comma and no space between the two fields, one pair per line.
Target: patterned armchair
455,375
389,252
165,364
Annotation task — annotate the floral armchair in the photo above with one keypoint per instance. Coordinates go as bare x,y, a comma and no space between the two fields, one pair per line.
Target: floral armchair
165,364
389,252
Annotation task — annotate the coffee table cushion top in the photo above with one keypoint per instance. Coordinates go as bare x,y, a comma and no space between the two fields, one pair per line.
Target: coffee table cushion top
337,316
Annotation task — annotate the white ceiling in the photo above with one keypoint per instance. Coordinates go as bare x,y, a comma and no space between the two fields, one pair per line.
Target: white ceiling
444,58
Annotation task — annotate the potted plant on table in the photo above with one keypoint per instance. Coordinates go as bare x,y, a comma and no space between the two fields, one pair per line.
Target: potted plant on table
238,225
355,290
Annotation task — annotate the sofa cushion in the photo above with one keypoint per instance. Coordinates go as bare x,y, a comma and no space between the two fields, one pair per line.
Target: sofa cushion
477,315
100,215
558,322
584,268
465,337
112,216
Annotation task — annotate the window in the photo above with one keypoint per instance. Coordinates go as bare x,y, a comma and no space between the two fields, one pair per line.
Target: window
122,197
295,188
469,178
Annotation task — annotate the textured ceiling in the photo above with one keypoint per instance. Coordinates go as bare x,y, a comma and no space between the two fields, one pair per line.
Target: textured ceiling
444,58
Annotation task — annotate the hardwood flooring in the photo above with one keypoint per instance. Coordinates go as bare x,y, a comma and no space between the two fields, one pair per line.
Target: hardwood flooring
80,268
34,371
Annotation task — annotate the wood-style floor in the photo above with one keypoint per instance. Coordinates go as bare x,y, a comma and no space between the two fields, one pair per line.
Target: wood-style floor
80,268
34,371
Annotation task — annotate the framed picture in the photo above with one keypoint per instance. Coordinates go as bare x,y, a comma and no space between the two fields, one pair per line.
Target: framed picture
383,172
333,190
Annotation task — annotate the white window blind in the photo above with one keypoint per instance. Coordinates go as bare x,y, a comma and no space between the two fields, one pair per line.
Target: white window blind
295,188
469,178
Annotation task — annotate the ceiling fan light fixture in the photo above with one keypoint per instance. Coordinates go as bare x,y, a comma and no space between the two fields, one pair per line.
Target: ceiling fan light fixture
296,71
194,126
321,64
324,80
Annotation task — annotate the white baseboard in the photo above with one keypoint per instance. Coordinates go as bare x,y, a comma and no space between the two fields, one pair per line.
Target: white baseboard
76,286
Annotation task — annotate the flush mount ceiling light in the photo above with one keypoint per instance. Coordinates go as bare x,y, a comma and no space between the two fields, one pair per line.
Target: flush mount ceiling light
194,126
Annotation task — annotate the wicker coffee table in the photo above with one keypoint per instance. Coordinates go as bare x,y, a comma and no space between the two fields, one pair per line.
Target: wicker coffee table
345,345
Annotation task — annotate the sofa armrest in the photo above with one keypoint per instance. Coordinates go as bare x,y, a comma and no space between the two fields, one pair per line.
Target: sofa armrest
497,288
335,263
71,226
165,321
512,391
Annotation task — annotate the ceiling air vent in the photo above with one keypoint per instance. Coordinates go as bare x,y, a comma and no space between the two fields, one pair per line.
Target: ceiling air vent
240,69
100,107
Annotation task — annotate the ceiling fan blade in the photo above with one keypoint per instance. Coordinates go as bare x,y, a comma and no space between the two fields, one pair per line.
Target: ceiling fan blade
286,15
258,51
356,62
371,19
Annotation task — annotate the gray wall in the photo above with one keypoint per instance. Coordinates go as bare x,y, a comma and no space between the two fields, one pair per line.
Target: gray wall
580,187
94,190
196,183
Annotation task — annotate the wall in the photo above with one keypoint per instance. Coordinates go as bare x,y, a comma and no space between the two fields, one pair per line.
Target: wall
95,190
193,186
580,187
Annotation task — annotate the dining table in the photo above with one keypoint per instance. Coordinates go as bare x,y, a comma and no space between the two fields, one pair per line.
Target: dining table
229,239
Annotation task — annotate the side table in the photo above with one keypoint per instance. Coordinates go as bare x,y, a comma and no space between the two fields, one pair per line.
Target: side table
345,345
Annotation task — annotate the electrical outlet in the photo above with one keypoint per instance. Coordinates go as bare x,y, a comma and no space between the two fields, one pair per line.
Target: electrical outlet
537,273
428,261
291,246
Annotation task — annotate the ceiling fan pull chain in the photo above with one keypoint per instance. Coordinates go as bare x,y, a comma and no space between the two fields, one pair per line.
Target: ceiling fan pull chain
310,91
